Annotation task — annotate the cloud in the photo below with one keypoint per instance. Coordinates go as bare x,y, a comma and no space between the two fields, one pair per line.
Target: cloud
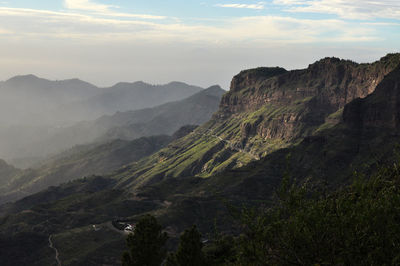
381,24
104,44
355,9
5,32
86,5
41,24
104,10
260,5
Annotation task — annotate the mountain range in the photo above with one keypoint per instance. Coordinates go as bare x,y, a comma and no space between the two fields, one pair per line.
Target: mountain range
36,101
114,143
25,144
319,125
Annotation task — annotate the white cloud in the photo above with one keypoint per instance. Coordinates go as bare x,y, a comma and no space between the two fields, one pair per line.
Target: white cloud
4,32
260,5
29,23
354,9
86,5
103,48
381,24
127,15
104,10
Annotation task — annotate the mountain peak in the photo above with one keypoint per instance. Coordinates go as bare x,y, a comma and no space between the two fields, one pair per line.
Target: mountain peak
24,78
251,76
130,84
391,57
177,83
214,90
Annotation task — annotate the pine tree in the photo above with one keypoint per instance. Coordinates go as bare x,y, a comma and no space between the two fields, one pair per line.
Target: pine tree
189,250
146,244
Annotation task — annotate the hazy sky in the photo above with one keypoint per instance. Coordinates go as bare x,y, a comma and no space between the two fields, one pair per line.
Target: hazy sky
199,42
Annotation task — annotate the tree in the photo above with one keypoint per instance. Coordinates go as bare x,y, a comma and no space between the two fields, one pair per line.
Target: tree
189,250
146,244
355,225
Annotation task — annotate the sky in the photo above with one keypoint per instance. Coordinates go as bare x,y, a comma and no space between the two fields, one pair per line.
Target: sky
199,42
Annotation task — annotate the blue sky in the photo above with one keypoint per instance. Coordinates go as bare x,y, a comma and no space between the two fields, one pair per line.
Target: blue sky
199,42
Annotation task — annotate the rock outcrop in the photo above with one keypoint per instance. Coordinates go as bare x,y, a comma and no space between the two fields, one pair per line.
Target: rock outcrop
302,99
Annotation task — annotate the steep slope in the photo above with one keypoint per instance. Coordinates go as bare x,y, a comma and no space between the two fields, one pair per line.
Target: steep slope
265,110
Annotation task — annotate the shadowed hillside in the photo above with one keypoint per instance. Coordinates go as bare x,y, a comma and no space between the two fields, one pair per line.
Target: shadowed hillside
94,159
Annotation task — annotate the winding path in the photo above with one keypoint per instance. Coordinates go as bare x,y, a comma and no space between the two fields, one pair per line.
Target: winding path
53,247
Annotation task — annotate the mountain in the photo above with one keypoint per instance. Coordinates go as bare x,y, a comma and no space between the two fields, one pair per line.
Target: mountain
163,119
266,109
356,135
37,101
31,100
101,158
40,115
132,96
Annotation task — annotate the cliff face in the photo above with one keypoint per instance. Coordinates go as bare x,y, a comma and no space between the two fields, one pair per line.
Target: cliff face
334,81
268,109
306,98
380,110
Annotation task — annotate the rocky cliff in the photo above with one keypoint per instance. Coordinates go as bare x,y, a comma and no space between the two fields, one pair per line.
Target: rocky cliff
265,110
305,97
335,82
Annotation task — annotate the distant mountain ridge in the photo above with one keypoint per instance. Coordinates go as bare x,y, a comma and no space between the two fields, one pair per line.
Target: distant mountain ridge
29,97
37,116
130,96
164,119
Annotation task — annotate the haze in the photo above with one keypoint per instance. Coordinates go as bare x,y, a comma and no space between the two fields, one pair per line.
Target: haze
102,43
198,42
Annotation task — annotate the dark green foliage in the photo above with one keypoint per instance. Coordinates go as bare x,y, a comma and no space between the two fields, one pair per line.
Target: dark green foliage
146,244
189,250
358,225
23,248
221,251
